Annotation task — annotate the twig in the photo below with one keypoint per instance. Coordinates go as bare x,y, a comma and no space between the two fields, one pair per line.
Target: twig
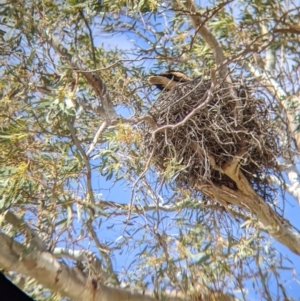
106,107
102,127
18,223
85,160
209,95
219,56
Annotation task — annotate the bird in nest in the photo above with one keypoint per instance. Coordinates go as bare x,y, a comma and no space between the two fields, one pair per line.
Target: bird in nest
168,79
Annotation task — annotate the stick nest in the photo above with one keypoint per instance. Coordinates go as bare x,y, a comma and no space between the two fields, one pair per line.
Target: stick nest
199,134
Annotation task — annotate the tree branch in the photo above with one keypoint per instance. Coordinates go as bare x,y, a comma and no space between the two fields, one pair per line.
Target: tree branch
48,271
69,282
34,240
247,198
281,96
106,108
219,56
209,38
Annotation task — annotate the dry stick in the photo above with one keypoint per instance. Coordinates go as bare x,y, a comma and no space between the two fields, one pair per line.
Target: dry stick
148,119
209,95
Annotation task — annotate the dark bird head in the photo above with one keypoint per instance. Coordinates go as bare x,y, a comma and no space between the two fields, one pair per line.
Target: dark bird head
168,79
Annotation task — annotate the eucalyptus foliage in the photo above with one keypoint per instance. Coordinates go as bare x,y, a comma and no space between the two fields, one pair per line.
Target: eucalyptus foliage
81,182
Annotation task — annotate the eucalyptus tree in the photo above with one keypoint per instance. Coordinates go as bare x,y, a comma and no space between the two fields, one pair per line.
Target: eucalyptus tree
88,212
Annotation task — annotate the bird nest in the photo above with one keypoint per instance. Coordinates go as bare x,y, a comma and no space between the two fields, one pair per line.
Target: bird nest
200,132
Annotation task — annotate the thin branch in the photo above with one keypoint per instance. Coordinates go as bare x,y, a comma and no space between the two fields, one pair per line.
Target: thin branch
202,103
281,96
294,188
209,38
90,35
270,52
101,129
106,107
148,119
289,29
85,160
18,223
219,56
275,225
91,261
104,251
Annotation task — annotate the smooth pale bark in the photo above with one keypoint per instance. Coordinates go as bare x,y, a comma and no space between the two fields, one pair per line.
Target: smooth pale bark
245,197
209,38
69,282
48,271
